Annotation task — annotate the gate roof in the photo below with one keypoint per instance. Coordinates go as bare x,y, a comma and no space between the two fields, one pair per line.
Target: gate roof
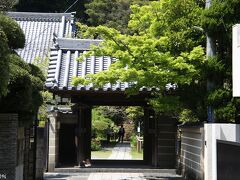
63,66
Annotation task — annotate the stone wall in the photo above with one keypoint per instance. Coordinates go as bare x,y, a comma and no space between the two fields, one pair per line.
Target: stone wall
8,147
53,141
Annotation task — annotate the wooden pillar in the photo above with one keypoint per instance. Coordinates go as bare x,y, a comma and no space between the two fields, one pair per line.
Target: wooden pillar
84,134
88,116
149,137
53,141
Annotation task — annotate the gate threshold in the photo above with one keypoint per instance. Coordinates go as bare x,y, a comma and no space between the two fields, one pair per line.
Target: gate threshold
113,170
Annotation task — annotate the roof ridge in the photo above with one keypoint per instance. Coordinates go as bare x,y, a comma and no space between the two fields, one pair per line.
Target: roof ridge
75,43
39,16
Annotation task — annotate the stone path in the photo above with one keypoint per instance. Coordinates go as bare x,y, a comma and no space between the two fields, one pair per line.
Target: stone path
121,151
112,176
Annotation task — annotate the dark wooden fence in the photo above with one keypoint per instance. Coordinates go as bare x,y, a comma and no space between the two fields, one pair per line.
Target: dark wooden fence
166,142
191,152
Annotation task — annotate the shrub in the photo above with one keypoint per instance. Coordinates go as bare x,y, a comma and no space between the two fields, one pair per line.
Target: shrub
133,140
187,116
95,145
14,34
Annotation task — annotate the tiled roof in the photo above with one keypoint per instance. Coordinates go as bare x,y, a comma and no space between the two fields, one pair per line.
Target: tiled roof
39,29
63,66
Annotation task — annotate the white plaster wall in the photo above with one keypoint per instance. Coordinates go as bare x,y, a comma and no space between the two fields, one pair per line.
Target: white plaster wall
236,60
212,132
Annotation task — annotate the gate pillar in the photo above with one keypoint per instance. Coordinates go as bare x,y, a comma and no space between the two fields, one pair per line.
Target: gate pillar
84,134
53,141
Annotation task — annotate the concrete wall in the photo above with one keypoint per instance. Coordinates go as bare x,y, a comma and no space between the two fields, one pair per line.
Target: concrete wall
8,147
214,132
192,152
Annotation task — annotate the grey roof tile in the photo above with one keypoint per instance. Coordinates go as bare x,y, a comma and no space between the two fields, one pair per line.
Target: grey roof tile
39,28
63,66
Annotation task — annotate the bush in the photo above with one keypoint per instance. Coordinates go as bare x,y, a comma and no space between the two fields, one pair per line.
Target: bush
133,141
13,32
95,145
187,116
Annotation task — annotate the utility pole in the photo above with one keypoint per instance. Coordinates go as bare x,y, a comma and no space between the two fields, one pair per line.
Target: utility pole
211,52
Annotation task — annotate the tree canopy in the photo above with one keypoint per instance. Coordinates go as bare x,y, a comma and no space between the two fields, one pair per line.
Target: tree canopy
11,36
111,13
21,82
165,49
6,4
217,21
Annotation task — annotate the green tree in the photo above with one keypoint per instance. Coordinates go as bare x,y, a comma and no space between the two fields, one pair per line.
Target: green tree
6,4
11,37
21,83
100,123
217,21
116,113
111,13
165,49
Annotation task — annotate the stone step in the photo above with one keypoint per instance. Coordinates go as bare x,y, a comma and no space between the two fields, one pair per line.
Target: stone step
111,176
119,170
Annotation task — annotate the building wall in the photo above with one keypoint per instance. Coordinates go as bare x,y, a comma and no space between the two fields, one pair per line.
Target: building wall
8,147
236,60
